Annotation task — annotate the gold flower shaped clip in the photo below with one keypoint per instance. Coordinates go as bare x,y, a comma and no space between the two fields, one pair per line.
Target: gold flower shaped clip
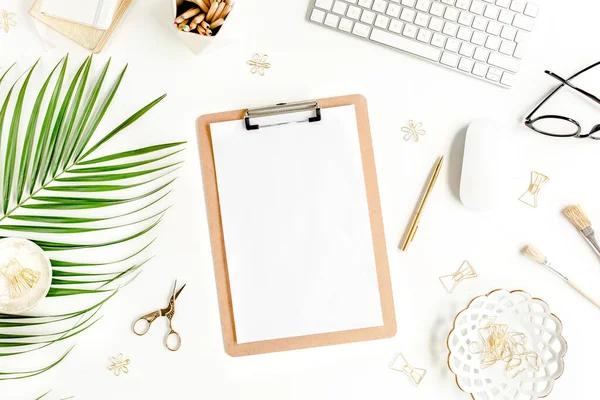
7,20
413,131
259,63
119,364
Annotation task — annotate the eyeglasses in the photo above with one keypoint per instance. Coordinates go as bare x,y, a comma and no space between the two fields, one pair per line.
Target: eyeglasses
559,125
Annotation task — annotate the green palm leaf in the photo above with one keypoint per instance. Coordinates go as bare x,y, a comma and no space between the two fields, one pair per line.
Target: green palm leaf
54,191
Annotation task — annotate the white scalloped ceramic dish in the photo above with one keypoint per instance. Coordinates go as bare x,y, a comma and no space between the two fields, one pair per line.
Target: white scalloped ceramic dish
522,313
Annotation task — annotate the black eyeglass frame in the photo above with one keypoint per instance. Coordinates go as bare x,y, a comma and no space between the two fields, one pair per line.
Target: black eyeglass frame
529,122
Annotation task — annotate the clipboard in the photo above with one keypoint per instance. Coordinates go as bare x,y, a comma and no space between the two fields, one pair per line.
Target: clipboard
232,347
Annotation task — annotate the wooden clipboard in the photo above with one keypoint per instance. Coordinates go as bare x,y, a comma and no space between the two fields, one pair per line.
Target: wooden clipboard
388,329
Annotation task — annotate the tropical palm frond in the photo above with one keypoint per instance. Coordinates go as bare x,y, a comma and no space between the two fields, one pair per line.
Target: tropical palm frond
57,192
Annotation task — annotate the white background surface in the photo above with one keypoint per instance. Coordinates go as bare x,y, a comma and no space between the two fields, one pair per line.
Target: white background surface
312,62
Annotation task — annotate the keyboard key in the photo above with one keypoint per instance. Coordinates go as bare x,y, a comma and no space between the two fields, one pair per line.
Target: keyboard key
507,47
324,4
520,50
408,15
481,54
465,18
491,12
404,44
452,45
464,34
467,49
523,22
479,38
504,62
451,14
480,69
477,7
436,24
361,30
352,1
450,29
332,20
449,59
368,17
503,3
438,40
393,10
410,31
522,36
463,4
518,6
494,74
365,3
532,10
353,12
449,2
382,22
465,64
339,7
409,3
508,32
506,17
345,25
508,79
480,23
492,43
494,28
424,35
422,19
396,26
437,9
317,15
423,5
380,6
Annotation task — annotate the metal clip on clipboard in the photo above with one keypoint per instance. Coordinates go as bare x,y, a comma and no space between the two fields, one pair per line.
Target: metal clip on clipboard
282,108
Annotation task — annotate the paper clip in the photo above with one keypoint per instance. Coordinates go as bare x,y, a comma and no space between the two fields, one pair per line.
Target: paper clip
530,197
415,375
466,271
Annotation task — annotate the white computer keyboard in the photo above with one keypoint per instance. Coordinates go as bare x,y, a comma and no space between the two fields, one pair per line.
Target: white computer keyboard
484,39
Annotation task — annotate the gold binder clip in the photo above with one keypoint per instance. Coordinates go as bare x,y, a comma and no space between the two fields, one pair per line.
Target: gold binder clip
530,197
466,271
19,279
415,375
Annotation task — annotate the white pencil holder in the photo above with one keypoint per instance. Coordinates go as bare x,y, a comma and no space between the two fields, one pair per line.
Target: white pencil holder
198,43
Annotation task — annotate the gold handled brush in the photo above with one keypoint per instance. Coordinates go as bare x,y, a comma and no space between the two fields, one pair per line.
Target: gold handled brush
578,218
539,257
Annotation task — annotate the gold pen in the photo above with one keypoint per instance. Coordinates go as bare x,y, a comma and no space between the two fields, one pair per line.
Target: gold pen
414,225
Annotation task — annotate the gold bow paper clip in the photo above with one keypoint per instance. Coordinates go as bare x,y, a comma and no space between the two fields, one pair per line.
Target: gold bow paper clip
259,63
415,375
530,197
466,271
19,279
7,21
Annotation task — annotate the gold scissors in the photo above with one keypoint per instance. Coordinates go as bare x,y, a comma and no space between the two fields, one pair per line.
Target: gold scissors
143,323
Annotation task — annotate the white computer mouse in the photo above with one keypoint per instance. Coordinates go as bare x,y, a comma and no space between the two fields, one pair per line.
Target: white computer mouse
482,179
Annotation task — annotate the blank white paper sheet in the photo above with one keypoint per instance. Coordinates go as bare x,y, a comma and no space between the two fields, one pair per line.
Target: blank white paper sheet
296,226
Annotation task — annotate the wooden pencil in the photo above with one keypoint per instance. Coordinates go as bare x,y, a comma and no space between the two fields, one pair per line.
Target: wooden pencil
211,12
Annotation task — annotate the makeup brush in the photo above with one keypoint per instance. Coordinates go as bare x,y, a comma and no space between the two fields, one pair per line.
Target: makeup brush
578,218
539,257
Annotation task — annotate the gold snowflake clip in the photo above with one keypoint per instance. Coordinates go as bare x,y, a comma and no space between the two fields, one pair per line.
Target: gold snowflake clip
118,364
7,20
259,63
530,197
465,271
413,131
415,375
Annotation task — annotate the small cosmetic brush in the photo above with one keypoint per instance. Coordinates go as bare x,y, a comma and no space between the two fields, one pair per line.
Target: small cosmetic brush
578,218
539,257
